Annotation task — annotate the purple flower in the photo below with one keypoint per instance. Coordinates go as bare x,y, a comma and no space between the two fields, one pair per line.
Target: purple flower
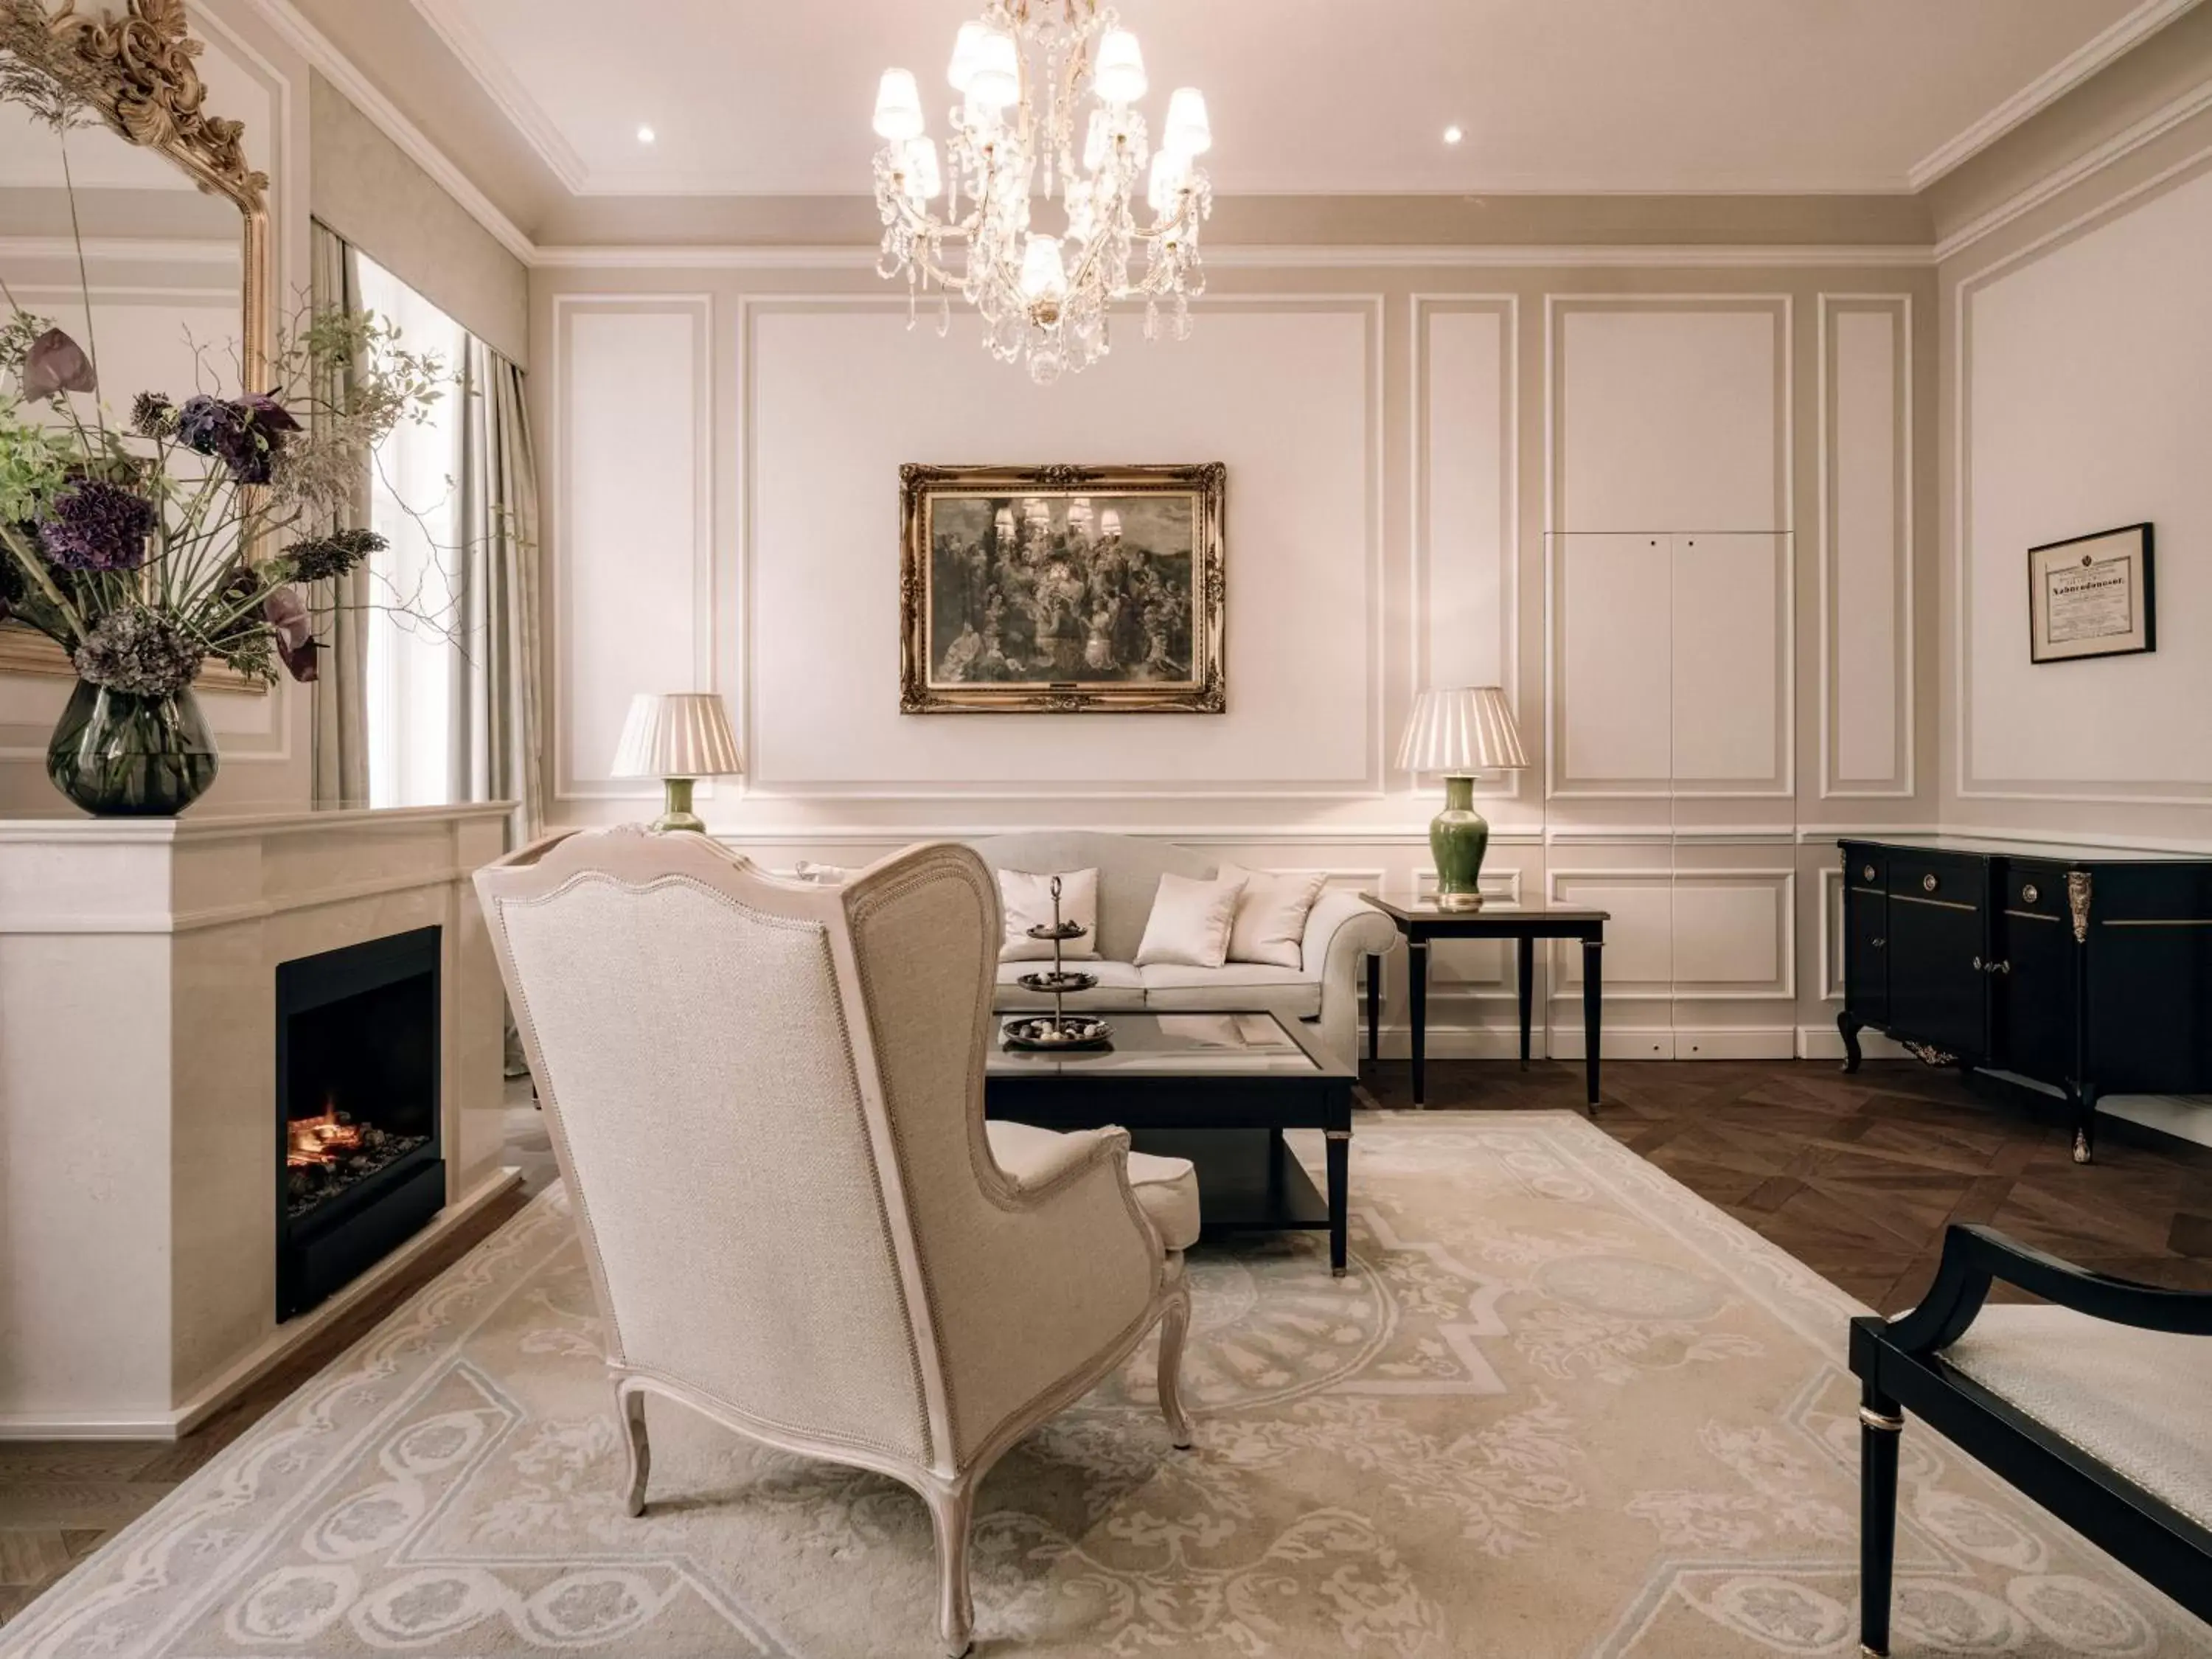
319,557
153,415
245,436
54,364
286,613
138,651
97,526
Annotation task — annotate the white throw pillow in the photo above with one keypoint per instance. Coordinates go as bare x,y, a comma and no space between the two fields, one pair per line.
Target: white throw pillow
1027,900
1191,920
1270,917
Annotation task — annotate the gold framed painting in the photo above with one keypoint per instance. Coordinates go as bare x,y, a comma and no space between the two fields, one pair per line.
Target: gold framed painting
1061,589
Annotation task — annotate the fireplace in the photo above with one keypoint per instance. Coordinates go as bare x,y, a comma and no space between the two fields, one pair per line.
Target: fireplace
359,1166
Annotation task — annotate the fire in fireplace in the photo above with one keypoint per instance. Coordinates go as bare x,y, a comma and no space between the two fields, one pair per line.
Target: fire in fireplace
358,1168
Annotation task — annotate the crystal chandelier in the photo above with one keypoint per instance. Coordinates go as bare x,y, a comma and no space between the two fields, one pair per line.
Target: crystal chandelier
1023,74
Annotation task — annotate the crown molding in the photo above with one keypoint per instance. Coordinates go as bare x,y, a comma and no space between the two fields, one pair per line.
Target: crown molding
2047,89
323,54
450,24
2088,165
1259,255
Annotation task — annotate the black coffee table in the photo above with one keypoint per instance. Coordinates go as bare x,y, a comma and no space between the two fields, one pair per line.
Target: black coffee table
1218,1088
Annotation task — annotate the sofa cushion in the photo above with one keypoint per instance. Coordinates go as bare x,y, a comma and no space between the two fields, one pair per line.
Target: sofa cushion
1236,985
1191,920
1129,868
1271,915
1120,986
1025,900
1165,1189
2138,1400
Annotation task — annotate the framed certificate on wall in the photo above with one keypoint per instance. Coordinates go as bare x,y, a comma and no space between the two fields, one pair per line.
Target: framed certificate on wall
2091,596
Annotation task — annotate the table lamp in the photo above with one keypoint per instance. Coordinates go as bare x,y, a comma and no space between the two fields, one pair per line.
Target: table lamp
679,737
1459,731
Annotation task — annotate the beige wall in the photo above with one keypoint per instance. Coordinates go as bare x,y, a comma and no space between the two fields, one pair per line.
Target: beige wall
1428,466
372,193
2075,363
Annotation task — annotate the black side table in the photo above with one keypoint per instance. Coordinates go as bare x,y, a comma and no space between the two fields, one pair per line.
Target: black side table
1421,919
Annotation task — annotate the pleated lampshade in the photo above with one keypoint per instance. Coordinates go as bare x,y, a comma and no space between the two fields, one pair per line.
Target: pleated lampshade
678,735
1460,730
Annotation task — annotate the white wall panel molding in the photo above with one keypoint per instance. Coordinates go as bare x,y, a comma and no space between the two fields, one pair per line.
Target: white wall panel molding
1668,412
1305,488
1865,546
632,571
1725,935
2084,317
1830,933
1346,255
1465,426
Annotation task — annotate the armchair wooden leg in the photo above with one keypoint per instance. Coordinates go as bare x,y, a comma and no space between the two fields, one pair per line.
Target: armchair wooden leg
629,1406
951,1508
1880,1426
1174,1326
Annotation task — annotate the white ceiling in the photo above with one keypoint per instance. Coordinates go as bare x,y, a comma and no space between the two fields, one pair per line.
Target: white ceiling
772,97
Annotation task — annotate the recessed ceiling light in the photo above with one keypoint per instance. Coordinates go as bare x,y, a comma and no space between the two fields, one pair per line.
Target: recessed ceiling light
646,134
1453,135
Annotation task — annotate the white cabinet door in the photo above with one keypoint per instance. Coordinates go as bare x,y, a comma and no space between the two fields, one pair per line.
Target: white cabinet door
1611,664
1729,693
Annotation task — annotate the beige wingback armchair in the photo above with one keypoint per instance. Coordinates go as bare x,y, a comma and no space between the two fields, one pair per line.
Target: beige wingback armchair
766,1101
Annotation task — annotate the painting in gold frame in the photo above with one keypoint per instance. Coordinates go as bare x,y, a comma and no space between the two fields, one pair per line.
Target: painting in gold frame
1062,589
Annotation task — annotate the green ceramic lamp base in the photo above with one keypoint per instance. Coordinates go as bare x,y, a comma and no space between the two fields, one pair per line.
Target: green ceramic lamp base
1458,837
679,815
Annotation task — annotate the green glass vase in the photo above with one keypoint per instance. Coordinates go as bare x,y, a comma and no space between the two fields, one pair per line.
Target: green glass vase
117,755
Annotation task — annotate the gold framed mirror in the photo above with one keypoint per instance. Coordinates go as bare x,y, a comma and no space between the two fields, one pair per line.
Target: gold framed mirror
135,69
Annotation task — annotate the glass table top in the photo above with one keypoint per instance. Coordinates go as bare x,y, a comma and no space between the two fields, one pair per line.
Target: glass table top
1167,1045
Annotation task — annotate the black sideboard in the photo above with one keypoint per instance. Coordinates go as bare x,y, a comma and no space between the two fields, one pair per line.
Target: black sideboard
2090,972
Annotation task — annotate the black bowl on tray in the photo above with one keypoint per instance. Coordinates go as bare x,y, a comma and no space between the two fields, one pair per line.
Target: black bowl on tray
1056,1033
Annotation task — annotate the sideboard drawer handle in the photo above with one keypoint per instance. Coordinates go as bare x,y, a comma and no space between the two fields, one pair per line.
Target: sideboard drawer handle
1927,883
1879,943
1866,873
1977,964
2027,893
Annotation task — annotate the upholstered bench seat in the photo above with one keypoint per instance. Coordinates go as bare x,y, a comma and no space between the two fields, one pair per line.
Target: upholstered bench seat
1165,1189
2140,1402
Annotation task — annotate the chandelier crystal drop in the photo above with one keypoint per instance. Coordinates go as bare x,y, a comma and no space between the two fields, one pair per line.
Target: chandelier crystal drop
1047,105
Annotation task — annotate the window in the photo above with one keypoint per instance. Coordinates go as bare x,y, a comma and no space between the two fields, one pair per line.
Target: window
416,671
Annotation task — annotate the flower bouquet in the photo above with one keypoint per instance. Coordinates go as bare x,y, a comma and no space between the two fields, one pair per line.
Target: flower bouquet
186,532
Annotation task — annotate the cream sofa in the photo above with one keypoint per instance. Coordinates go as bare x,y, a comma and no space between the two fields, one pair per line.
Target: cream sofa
1323,991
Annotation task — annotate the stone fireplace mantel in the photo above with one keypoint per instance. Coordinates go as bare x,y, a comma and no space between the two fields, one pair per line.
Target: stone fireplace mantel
138,1091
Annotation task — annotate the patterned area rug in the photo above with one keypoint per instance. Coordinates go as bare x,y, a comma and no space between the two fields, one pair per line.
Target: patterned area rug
1561,1406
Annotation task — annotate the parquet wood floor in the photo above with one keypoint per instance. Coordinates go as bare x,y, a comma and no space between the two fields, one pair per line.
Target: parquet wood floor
1856,1177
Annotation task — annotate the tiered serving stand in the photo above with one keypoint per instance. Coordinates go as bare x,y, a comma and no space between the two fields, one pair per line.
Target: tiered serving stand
1059,1031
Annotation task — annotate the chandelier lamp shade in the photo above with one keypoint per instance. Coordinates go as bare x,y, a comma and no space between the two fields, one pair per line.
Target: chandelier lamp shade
1459,731
1045,106
678,737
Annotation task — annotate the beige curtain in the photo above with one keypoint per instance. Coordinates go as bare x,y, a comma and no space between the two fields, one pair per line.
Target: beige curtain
341,737
495,746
